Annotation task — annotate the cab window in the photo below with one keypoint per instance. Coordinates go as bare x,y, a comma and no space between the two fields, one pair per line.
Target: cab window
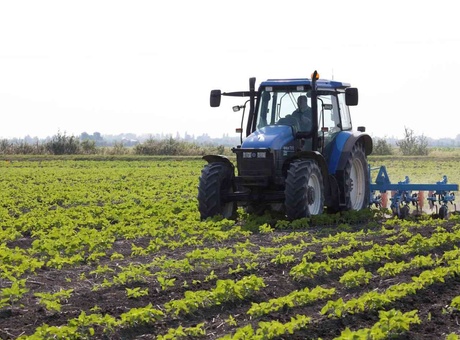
344,112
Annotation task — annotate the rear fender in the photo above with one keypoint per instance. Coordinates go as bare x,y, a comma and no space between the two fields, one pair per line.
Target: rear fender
343,146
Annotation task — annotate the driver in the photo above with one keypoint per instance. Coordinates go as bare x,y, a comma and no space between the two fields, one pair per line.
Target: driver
303,114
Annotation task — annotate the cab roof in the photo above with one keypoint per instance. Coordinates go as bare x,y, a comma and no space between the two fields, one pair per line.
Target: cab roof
321,83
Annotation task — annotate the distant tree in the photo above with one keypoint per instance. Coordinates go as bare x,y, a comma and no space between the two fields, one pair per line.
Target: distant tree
85,136
118,148
5,146
170,146
88,146
413,145
97,136
61,144
382,147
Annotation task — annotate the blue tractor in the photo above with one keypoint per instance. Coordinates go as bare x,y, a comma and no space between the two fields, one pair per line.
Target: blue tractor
299,154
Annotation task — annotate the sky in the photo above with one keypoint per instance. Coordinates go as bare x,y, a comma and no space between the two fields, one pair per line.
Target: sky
147,67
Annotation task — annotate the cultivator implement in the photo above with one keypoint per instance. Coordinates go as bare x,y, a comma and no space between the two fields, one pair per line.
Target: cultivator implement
404,194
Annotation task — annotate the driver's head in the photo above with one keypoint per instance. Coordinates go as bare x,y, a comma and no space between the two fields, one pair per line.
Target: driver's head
302,103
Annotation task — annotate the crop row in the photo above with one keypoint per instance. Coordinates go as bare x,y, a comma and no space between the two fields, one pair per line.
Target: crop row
116,248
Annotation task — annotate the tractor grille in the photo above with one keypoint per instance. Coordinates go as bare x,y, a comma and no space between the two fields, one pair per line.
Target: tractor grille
257,164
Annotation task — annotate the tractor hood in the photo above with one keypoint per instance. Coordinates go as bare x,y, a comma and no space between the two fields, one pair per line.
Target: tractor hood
273,137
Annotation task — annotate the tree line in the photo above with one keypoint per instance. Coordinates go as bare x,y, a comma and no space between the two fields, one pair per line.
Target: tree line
62,144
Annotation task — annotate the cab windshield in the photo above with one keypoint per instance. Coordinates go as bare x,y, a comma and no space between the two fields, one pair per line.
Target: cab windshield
286,108
294,108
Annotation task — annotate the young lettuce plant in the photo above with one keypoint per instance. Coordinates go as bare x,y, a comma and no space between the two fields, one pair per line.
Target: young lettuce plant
355,278
136,292
12,294
52,302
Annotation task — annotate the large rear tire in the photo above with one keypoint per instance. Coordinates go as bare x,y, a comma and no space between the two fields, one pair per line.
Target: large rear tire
356,180
304,192
216,181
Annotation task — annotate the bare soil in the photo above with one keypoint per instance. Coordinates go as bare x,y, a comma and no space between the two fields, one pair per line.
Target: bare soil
23,319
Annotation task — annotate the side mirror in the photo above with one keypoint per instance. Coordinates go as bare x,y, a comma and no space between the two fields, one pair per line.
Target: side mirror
215,98
351,96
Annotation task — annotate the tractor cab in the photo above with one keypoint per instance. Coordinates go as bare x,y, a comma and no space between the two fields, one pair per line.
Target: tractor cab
292,105
299,153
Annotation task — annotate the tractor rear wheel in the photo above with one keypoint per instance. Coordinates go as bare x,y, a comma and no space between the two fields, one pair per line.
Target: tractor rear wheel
304,192
216,181
356,180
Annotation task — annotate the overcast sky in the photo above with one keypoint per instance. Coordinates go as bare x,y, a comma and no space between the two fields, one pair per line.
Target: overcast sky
147,67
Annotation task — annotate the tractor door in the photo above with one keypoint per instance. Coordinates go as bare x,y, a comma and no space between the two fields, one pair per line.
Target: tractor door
329,122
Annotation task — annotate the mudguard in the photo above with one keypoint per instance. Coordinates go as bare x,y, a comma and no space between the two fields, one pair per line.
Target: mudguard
218,158
343,144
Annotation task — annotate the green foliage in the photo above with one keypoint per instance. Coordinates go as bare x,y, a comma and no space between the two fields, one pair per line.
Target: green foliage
55,332
165,282
171,146
61,144
79,219
10,295
141,316
297,298
136,292
132,273
413,145
391,324
282,258
265,229
118,148
455,302
183,332
225,291
86,323
270,330
21,147
381,147
355,278
88,147
52,302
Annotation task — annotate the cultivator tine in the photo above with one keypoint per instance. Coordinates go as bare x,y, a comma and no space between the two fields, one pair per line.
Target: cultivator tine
421,199
431,199
442,198
404,194
384,200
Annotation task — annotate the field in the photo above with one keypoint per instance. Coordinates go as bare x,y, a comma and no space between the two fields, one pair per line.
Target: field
114,249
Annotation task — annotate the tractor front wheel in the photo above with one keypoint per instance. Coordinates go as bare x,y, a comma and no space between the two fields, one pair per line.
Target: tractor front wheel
304,192
216,182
